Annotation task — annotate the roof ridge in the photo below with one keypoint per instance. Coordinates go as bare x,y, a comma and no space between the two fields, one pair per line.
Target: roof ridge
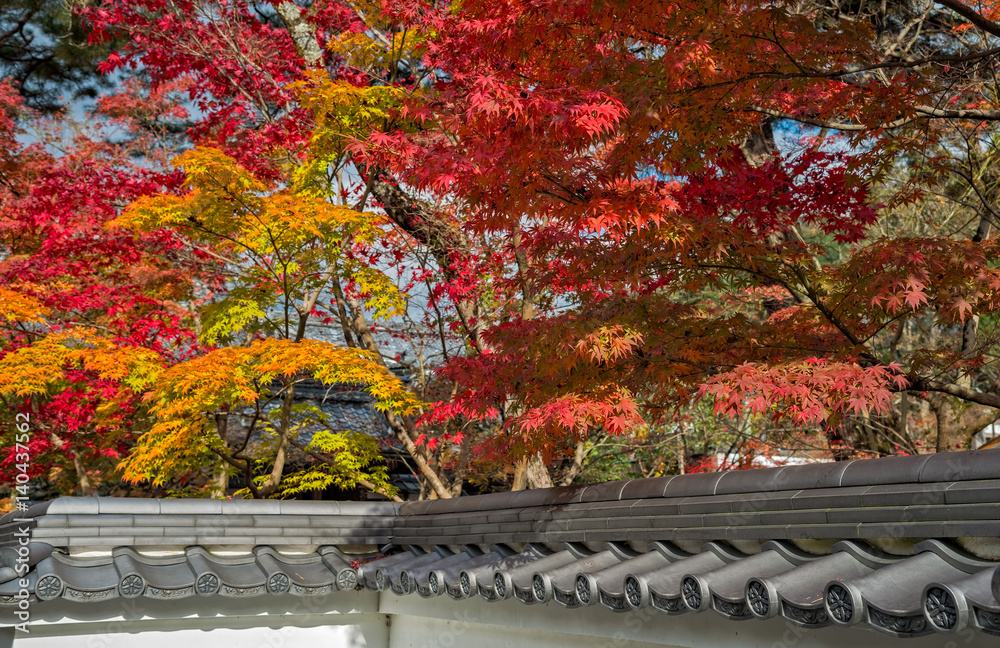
945,467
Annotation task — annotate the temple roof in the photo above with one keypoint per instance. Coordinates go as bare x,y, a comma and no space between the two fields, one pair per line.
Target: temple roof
907,546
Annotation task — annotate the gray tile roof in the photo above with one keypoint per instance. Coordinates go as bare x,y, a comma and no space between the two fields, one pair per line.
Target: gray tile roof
196,572
938,589
802,543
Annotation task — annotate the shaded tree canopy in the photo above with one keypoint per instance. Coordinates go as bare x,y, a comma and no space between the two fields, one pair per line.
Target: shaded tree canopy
666,230
44,49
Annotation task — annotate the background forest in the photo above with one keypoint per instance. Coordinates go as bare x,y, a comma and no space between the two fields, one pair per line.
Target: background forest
526,242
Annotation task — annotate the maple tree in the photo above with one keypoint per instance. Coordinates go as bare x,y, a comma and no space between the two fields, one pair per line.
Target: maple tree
110,354
280,249
630,146
88,317
250,266
582,220
279,118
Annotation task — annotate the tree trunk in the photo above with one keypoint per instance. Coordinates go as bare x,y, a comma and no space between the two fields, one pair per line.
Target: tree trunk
447,243
520,475
461,469
86,486
364,333
220,481
531,472
284,429
82,478
579,454
958,421
537,473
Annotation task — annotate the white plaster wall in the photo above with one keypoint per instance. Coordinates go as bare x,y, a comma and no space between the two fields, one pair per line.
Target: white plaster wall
340,620
367,634
419,632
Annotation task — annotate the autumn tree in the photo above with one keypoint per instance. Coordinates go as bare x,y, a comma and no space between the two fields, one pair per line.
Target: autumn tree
87,317
340,75
630,147
591,202
280,249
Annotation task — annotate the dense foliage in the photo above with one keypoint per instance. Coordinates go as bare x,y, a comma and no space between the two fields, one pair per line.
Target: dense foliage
598,238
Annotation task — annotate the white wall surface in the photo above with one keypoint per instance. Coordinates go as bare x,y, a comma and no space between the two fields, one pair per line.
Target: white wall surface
340,620
366,634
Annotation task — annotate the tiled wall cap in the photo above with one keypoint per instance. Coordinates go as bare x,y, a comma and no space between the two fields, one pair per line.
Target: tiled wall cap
702,504
607,491
380,509
954,555
564,514
822,498
974,491
529,498
725,552
77,505
748,481
945,608
126,505
968,529
890,470
827,475
250,507
693,485
440,506
964,466
643,488
564,494
909,494
491,502
35,510
636,591
37,552
763,501
415,508
191,506
843,603
695,592
761,598
309,507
